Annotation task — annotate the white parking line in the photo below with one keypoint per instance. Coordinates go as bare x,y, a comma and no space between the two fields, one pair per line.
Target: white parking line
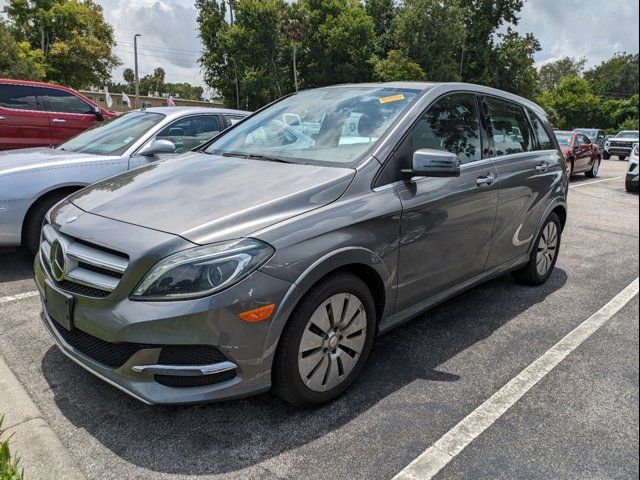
595,181
438,455
18,296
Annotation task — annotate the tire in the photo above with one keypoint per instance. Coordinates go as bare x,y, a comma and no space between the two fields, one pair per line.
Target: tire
622,157
35,217
530,274
595,167
606,155
312,355
630,187
572,165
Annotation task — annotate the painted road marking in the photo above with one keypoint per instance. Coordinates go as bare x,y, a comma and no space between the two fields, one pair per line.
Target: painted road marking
18,296
438,455
594,181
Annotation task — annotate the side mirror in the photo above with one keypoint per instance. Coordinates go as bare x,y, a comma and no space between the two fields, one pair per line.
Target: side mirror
157,147
428,162
97,111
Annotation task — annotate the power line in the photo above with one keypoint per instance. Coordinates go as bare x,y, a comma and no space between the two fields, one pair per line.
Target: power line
162,47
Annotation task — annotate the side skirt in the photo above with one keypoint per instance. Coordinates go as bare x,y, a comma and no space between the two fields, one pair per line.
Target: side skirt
407,314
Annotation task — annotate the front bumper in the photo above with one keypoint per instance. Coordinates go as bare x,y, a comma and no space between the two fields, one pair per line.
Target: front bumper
619,151
211,321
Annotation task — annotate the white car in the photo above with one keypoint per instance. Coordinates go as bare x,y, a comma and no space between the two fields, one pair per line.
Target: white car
621,145
631,183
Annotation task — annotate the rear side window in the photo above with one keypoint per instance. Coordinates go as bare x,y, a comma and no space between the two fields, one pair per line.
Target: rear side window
511,131
18,97
63,102
543,136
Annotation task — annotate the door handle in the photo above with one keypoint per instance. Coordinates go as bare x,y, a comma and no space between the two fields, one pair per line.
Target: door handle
486,180
542,167
2,118
59,120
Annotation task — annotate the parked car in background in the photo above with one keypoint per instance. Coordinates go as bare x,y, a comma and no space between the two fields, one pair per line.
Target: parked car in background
581,155
596,135
34,114
622,144
34,179
265,261
631,181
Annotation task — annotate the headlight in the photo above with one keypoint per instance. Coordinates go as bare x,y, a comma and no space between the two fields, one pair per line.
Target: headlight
202,271
607,143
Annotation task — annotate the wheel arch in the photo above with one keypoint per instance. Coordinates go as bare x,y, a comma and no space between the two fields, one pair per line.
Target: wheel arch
44,196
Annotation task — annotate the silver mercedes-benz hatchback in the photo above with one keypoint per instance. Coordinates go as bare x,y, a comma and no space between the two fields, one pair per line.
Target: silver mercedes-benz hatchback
273,257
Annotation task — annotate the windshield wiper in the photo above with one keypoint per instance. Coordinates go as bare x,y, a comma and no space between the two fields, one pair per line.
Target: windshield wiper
255,156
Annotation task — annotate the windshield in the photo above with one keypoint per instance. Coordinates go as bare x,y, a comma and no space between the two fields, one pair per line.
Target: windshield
564,139
113,137
628,134
327,126
589,133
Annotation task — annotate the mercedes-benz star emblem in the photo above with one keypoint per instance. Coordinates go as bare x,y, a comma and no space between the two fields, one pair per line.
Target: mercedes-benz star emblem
58,260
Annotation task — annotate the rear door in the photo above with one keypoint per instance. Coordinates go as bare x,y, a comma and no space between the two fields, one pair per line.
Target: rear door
22,121
68,114
447,223
528,164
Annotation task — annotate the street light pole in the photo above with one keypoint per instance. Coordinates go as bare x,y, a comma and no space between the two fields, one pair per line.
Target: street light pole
137,79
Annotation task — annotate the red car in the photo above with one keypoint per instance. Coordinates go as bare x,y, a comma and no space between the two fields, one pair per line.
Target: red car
35,114
580,153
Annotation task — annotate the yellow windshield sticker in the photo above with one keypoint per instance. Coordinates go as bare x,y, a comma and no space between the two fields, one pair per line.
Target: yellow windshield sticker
392,98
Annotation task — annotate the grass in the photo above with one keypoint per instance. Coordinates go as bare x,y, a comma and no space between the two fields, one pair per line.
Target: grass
9,469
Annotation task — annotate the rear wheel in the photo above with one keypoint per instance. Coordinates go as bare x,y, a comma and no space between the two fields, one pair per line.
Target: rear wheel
544,254
595,167
35,217
326,342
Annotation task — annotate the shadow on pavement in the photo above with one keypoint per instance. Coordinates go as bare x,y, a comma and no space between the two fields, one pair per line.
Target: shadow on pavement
226,437
15,265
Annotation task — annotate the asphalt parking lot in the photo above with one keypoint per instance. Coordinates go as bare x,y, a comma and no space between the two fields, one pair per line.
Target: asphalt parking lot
579,421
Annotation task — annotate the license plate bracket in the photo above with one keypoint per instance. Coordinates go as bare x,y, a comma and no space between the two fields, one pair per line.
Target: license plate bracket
59,305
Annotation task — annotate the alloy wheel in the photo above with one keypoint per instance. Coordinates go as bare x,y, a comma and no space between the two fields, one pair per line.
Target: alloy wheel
547,248
332,342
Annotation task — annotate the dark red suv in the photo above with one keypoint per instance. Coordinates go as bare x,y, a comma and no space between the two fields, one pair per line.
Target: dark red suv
34,114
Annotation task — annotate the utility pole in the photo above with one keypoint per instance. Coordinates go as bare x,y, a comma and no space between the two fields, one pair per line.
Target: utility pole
137,79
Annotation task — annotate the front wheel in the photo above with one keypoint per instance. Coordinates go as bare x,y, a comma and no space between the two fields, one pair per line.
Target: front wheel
33,222
595,167
326,342
622,157
544,254
606,155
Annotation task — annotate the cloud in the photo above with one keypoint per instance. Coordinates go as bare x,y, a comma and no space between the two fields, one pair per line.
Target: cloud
169,37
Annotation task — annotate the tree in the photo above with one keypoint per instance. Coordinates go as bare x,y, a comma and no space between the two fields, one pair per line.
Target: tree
158,75
72,35
341,39
573,102
382,12
482,20
397,66
294,27
514,66
617,77
552,73
430,32
129,76
18,59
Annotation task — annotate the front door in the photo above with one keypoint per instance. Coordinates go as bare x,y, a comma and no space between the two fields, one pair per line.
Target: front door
68,114
447,223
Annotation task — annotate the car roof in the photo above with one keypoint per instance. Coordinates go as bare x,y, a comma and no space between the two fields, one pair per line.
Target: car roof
31,83
171,112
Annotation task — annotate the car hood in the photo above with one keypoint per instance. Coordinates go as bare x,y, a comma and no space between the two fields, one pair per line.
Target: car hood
206,198
623,139
26,159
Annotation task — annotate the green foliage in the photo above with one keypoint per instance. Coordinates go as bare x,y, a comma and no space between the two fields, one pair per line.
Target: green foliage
513,64
129,76
397,66
18,59
382,12
75,41
430,32
341,39
551,74
9,469
617,76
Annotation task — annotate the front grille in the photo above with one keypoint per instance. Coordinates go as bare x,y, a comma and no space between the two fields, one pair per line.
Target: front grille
190,355
112,355
621,144
91,270
201,381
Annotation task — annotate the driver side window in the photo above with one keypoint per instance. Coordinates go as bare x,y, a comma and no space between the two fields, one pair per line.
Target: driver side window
188,133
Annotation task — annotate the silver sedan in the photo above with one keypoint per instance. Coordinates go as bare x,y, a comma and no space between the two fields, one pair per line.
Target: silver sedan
32,180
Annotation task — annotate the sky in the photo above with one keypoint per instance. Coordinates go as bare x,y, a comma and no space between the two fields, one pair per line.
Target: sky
169,38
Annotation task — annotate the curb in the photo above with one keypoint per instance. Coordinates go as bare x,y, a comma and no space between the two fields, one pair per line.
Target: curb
41,452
